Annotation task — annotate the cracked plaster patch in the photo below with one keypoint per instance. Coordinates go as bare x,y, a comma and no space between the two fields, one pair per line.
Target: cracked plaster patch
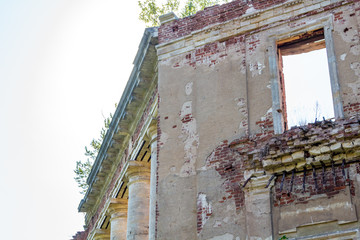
351,35
263,118
343,56
205,208
256,68
163,139
355,49
217,224
190,138
188,88
356,67
242,108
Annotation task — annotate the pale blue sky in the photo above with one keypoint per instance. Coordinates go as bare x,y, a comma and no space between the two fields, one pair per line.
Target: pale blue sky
63,65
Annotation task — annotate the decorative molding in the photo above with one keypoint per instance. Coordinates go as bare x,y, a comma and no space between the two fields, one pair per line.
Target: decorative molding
254,15
292,3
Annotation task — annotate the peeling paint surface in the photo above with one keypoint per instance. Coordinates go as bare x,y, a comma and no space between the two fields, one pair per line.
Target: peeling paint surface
204,210
356,67
242,108
163,139
256,68
188,88
343,56
190,138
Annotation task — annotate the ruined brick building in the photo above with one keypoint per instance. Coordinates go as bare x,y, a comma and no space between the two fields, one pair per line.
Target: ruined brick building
199,146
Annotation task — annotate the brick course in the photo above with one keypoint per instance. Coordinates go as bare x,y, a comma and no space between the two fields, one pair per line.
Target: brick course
209,16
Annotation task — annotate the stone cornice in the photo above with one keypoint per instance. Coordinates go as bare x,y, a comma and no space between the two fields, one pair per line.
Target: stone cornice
122,177
141,84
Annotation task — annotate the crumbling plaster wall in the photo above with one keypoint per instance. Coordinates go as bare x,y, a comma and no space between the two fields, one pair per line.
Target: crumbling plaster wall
214,87
347,42
195,100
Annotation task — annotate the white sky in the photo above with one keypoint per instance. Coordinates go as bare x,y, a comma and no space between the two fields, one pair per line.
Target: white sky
307,82
63,65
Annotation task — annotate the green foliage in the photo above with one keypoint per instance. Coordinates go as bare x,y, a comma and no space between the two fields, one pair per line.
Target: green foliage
283,237
82,171
150,10
192,6
83,167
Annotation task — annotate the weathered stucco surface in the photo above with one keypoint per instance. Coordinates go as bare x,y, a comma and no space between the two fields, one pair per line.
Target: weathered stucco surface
216,111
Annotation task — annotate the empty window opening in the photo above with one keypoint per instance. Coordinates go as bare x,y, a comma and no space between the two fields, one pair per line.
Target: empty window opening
304,80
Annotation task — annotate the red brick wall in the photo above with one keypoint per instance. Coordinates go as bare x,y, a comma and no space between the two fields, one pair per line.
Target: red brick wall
231,160
212,53
209,16
229,164
299,196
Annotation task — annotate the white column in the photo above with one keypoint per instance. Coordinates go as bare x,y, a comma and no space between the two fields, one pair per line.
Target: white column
152,133
118,218
138,174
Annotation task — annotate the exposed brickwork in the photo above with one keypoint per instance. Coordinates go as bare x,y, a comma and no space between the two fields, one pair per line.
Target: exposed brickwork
338,17
204,211
328,186
213,53
352,109
187,118
157,164
253,43
230,166
235,9
231,160
144,117
266,125
311,144
209,16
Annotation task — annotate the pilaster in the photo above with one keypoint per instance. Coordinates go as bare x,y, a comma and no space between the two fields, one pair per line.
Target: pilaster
152,133
258,208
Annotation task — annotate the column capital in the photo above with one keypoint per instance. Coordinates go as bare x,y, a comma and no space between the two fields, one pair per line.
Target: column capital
102,234
152,130
258,184
118,208
138,172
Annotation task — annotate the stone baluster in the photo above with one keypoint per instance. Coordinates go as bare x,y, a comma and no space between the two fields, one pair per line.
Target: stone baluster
118,218
138,174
